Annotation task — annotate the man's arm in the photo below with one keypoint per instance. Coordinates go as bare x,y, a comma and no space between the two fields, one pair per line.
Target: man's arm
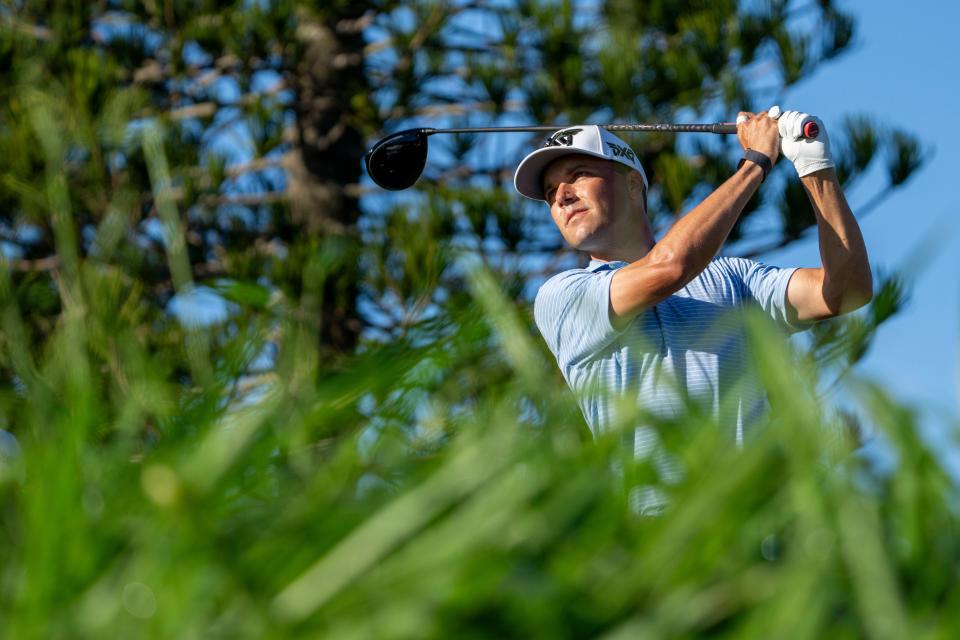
843,282
694,240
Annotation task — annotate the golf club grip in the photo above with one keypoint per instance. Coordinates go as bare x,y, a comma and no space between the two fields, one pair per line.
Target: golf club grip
717,127
810,128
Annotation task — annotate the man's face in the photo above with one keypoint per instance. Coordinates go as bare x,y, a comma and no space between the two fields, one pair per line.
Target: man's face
587,198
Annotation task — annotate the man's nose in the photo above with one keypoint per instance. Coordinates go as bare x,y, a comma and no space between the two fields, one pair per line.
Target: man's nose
565,193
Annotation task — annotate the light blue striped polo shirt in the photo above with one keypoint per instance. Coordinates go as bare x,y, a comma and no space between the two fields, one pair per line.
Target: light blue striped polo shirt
691,344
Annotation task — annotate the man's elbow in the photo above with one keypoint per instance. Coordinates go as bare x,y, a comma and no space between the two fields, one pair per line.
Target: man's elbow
669,271
850,297
857,298
645,283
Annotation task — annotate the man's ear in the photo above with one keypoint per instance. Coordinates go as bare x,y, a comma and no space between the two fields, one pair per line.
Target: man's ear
636,189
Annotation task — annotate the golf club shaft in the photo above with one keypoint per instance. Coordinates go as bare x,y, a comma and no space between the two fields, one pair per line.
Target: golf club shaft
717,127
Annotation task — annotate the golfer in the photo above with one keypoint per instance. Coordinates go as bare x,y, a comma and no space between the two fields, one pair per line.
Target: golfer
654,319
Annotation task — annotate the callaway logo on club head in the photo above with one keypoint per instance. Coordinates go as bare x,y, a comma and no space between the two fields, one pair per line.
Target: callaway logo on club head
562,138
625,152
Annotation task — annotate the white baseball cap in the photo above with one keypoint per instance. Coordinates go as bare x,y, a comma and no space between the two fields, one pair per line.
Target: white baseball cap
587,139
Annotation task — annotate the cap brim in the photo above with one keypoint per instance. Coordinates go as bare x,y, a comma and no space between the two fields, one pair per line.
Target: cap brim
528,180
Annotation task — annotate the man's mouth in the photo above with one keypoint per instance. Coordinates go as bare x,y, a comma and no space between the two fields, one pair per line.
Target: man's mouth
568,216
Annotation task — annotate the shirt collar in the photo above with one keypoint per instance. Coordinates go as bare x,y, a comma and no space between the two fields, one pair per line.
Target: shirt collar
602,265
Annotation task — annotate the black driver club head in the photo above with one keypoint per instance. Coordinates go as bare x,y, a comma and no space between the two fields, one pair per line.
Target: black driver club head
397,161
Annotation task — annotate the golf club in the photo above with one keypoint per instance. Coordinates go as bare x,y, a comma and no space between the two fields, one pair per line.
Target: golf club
396,162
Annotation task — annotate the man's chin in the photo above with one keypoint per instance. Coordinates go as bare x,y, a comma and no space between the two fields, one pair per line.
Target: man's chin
582,243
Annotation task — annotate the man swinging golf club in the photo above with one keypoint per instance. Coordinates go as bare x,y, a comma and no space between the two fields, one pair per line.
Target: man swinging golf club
651,319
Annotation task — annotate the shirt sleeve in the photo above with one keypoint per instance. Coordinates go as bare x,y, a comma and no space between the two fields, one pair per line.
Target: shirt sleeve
572,311
767,287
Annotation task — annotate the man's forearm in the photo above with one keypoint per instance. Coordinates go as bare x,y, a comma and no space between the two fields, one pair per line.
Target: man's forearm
694,240
686,249
847,281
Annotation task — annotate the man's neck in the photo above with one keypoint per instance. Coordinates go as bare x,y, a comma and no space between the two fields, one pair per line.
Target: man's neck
624,254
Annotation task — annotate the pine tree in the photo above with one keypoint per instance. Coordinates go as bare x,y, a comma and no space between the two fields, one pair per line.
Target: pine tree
263,110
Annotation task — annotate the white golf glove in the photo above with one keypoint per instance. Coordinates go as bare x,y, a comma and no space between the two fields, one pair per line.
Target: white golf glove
806,154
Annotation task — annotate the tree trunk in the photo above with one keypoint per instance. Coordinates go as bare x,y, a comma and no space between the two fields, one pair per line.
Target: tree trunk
327,160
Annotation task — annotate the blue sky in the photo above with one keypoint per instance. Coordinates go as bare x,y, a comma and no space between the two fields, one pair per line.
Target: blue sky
902,71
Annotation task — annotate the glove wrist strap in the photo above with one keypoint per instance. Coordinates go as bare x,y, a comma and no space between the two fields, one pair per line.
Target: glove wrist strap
757,158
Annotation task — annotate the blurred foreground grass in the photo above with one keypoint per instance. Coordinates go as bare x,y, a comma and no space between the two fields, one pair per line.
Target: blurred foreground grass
173,493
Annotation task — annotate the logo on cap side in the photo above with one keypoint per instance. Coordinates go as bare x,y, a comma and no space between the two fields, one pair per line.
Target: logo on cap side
624,152
562,138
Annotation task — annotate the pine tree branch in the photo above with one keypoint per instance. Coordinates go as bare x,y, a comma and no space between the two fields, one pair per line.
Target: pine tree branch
210,107
35,31
48,263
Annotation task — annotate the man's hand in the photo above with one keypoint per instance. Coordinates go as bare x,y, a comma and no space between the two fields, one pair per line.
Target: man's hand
806,154
760,133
